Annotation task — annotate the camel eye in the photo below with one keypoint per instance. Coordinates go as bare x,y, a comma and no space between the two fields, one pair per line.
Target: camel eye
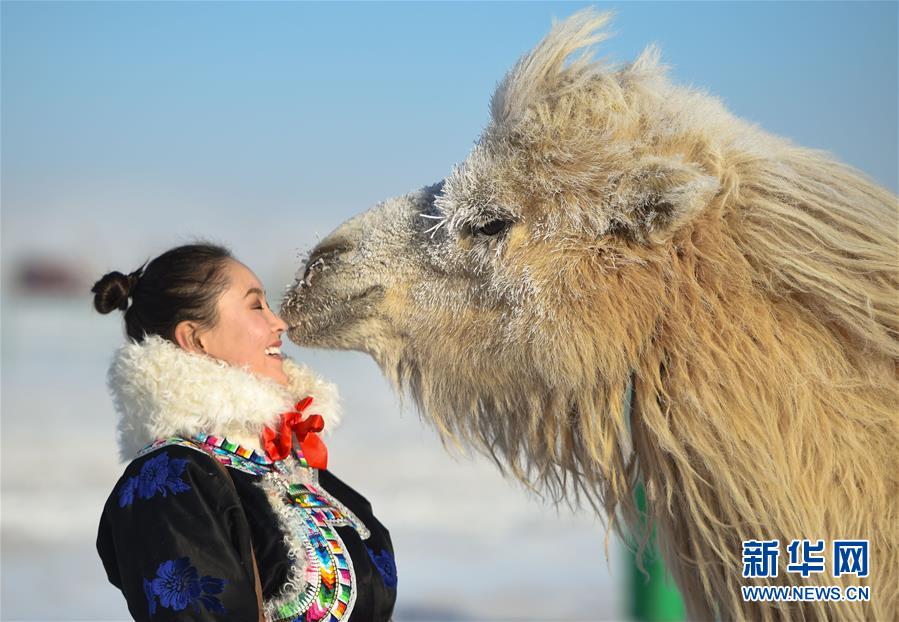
492,228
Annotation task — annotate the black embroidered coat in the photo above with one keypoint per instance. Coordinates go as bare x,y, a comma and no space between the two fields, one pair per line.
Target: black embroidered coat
179,533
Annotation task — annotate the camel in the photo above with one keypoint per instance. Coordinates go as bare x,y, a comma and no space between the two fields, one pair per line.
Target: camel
617,239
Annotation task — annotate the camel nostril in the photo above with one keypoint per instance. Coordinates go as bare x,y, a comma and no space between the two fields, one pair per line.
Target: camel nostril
336,247
306,282
323,253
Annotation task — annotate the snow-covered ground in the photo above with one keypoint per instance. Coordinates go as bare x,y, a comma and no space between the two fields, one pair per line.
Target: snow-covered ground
469,544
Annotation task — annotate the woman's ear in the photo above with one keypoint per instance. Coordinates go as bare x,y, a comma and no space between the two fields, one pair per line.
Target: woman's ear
187,336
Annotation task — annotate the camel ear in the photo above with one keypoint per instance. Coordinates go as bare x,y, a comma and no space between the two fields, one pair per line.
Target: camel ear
658,197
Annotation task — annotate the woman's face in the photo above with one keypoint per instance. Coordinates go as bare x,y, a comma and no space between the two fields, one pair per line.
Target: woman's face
248,333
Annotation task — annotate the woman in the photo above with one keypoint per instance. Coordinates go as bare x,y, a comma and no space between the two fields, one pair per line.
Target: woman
226,510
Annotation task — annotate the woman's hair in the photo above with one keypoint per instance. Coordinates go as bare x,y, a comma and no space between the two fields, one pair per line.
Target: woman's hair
183,283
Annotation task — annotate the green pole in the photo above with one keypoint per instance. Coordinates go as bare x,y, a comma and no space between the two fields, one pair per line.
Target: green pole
654,598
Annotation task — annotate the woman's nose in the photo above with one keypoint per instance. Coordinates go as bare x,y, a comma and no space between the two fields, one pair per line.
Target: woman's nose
280,325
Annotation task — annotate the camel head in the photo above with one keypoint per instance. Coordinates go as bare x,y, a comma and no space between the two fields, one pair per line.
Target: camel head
513,297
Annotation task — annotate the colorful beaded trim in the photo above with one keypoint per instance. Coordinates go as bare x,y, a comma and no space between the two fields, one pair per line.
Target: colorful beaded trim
229,454
329,591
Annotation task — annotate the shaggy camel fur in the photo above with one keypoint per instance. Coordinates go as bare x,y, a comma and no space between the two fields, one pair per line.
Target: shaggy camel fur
612,230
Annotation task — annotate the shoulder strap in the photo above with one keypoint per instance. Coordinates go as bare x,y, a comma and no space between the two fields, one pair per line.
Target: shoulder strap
221,456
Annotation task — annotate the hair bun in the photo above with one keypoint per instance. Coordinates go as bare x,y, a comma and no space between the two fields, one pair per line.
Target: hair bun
113,290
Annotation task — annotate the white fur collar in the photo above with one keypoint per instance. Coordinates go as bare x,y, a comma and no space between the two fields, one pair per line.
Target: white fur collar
161,390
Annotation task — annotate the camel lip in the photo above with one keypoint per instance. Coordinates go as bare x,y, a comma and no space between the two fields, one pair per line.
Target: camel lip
313,325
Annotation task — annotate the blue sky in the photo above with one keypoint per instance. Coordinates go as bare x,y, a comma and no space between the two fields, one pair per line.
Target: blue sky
130,127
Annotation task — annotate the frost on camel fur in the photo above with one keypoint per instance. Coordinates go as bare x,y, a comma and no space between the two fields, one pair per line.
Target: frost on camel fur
609,228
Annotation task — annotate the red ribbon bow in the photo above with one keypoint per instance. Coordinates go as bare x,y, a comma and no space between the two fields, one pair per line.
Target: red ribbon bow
278,443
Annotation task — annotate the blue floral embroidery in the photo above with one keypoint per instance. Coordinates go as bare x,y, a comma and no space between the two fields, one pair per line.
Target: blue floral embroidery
157,475
383,561
161,475
126,492
178,585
